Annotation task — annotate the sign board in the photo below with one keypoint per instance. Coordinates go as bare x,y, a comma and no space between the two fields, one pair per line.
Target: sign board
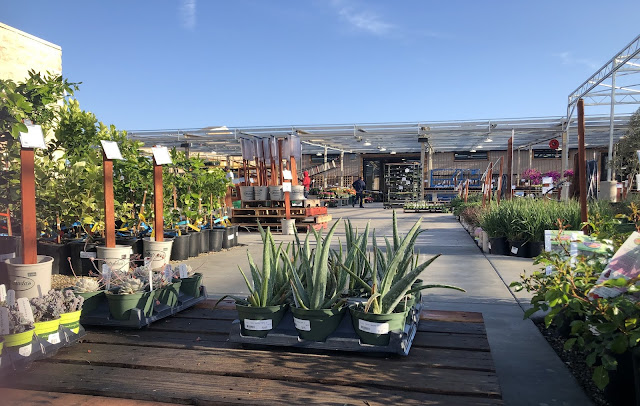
286,174
286,186
161,155
111,149
33,138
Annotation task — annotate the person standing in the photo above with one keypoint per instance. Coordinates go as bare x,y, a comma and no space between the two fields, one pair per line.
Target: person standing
306,182
359,186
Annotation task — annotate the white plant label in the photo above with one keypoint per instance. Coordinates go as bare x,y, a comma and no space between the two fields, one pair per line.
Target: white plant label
111,149
150,280
168,273
4,321
182,269
3,293
24,307
514,250
161,155
26,350
286,174
230,237
54,338
85,254
147,262
7,256
286,186
489,245
372,327
106,276
258,325
33,138
304,325
11,297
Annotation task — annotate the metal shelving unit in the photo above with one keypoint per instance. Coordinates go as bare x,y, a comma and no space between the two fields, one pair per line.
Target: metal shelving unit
402,181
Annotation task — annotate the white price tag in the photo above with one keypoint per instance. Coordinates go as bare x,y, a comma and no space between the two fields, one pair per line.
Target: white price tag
230,237
258,325
33,138
182,270
11,297
286,186
111,149
54,338
4,321
304,325
85,254
286,174
372,327
489,246
3,293
106,276
168,274
161,155
147,261
24,307
150,280
514,250
25,351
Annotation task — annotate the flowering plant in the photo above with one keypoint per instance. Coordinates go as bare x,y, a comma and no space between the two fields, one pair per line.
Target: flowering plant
568,173
553,174
533,175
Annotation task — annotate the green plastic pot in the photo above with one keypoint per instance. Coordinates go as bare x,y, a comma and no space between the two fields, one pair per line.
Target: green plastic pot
259,321
373,328
120,305
71,321
191,285
317,325
91,301
168,295
44,329
18,339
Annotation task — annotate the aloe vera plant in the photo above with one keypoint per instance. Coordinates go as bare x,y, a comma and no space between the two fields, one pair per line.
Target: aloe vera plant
349,257
316,285
393,273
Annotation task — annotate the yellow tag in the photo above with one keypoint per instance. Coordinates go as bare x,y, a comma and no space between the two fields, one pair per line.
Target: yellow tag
153,233
194,227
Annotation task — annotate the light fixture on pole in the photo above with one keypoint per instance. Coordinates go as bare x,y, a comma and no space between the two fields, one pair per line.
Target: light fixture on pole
473,150
488,139
383,149
367,143
392,152
479,147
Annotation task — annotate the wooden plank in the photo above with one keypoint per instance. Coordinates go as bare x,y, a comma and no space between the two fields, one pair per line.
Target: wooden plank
451,341
447,327
425,357
204,389
309,368
445,315
192,325
34,397
323,218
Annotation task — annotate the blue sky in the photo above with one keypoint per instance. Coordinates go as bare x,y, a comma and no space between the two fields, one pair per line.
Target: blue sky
195,63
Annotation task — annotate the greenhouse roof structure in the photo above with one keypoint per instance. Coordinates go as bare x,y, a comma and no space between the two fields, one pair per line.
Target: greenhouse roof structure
441,136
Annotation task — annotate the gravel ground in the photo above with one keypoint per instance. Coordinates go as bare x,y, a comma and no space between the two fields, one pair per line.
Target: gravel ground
62,281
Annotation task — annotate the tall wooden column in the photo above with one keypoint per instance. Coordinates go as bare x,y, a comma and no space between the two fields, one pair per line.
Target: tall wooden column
510,165
158,219
582,165
109,215
500,181
280,165
28,189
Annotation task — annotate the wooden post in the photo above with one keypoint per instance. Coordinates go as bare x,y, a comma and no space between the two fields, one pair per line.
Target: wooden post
500,182
109,215
280,165
510,166
274,179
28,186
582,165
466,191
9,231
294,172
246,182
158,219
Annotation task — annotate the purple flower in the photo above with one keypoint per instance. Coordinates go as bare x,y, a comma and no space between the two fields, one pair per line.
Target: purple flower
568,173
533,175
553,174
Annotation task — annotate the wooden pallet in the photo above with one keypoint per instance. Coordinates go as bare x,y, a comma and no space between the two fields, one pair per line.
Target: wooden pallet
188,359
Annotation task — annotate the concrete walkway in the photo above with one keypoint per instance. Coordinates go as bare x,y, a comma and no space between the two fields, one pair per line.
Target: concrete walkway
529,371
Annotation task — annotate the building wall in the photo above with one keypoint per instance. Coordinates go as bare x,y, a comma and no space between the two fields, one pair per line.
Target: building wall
21,52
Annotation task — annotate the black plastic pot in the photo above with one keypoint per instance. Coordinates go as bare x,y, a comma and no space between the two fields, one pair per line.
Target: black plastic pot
519,249
215,239
227,238
622,386
204,241
194,244
81,266
235,235
535,248
134,242
499,246
180,247
8,249
60,253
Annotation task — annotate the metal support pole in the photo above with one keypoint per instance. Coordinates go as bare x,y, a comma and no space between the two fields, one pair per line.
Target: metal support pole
611,116
500,181
509,164
582,165
280,166
324,174
28,190
423,149
429,164
109,215
341,168
530,156
518,168
565,143
158,221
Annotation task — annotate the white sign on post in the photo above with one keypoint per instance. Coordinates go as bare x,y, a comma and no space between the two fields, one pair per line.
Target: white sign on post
286,187
111,149
33,138
161,155
286,174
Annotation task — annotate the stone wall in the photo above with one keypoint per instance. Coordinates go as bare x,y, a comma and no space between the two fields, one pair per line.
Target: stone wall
21,52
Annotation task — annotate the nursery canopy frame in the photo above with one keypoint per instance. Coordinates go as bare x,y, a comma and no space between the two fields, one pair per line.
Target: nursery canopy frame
440,136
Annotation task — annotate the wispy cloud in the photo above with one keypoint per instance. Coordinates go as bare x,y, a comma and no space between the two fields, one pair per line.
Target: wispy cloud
363,20
567,59
188,14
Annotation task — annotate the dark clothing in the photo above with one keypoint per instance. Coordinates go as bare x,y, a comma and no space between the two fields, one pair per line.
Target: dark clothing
359,186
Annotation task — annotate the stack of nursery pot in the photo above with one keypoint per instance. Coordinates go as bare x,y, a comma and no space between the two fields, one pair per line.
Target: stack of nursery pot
181,246
216,235
19,333
265,306
129,293
29,280
158,251
92,293
392,275
318,308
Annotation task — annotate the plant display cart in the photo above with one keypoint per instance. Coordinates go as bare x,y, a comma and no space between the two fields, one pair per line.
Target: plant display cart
402,182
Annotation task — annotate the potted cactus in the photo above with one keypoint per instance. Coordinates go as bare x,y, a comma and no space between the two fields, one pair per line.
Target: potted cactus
70,318
130,293
393,273
318,308
46,315
91,290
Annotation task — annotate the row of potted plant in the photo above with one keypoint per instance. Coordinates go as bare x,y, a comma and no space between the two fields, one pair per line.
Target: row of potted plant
378,286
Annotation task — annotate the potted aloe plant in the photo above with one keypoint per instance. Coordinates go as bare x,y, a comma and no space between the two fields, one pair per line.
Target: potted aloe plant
266,304
317,289
129,293
393,275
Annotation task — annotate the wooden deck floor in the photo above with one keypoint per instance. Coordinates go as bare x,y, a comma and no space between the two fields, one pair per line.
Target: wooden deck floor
187,359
